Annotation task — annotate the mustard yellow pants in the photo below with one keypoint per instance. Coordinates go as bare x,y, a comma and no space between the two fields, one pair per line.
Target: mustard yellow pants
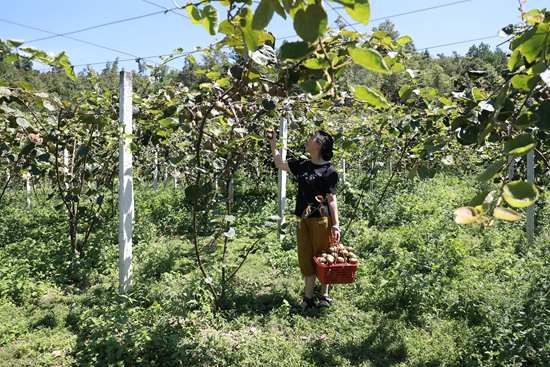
313,236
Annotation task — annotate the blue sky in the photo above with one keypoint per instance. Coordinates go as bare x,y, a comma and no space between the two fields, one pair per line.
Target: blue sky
154,32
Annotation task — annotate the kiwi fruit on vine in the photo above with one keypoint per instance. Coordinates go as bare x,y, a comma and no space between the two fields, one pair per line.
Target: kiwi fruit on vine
219,105
209,145
199,115
265,88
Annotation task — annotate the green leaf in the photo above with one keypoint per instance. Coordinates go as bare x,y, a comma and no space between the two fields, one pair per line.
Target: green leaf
11,58
164,132
315,89
310,24
268,104
193,193
15,43
515,60
491,171
295,51
83,151
371,96
483,200
318,63
526,120
520,194
229,233
177,160
468,135
25,85
210,19
403,40
405,93
533,41
28,148
23,122
213,75
194,14
520,145
167,122
506,214
359,10
69,71
263,14
251,36
48,105
369,59
466,215
524,82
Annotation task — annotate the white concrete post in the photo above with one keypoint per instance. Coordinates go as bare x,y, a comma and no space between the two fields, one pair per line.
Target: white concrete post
156,171
175,178
125,187
343,169
28,189
66,161
283,133
531,208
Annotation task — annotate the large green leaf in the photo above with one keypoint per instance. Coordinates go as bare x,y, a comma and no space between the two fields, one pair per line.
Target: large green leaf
482,200
466,215
543,112
524,82
209,19
371,96
467,135
491,171
369,59
264,13
520,145
311,23
11,58
193,193
15,43
403,40
316,89
534,40
359,10
194,14
520,194
294,51
317,63
251,36
515,60
527,119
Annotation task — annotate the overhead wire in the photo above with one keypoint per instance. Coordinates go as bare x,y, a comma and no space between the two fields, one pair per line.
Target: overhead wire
96,26
172,10
54,35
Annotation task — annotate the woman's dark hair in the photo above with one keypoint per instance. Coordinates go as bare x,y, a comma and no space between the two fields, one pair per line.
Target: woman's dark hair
327,144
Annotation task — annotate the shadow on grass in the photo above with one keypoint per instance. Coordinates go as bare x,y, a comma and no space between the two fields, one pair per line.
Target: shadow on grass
382,347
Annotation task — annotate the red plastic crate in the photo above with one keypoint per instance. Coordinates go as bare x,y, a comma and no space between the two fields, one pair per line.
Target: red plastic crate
343,273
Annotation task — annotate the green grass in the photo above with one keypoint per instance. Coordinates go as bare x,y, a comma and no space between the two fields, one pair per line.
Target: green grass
427,293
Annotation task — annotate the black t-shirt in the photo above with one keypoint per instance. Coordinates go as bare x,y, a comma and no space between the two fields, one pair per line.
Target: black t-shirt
313,180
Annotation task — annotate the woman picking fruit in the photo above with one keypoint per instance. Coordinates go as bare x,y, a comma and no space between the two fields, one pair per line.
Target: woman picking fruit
316,206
